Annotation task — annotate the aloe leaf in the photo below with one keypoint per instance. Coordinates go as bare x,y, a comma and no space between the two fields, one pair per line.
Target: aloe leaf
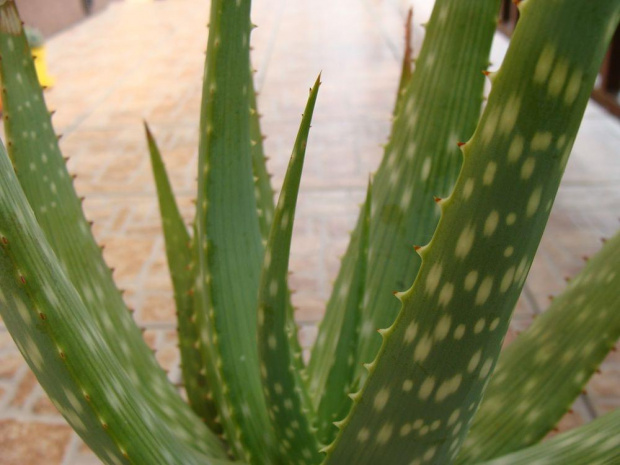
33,148
298,442
62,343
180,264
262,183
597,443
427,380
228,239
440,107
542,372
333,405
264,200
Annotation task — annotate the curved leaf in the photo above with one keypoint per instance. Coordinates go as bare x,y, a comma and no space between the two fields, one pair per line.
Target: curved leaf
33,148
597,443
298,442
100,398
180,264
436,359
440,107
539,376
228,243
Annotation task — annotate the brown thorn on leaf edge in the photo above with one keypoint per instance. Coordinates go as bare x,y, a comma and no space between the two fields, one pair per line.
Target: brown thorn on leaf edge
408,55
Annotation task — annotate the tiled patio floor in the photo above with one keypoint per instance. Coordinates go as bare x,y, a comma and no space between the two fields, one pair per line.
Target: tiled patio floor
144,60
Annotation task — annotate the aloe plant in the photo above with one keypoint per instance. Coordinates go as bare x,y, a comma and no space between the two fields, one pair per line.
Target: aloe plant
252,399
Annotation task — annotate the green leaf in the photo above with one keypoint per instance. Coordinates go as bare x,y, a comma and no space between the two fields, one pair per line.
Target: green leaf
36,157
539,375
285,402
596,443
101,399
333,405
180,264
440,107
228,243
264,200
428,378
262,183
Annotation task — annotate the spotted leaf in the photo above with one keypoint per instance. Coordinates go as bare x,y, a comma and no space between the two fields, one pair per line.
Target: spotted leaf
436,359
